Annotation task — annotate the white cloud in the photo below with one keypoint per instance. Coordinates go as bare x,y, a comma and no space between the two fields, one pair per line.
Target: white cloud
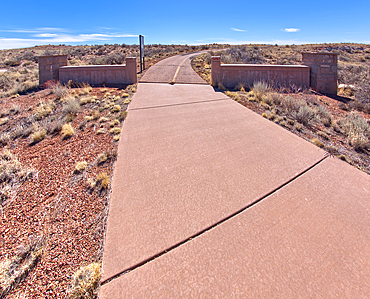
290,30
236,29
46,35
35,30
53,38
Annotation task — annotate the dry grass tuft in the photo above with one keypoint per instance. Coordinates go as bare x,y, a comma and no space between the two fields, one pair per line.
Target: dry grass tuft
304,115
101,131
43,109
71,106
116,108
85,282
80,166
102,158
122,115
115,131
67,131
12,173
317,142
85,89
60,91
115,122
106,156
260,89
38,135
103,179
15,270
356,128
4,120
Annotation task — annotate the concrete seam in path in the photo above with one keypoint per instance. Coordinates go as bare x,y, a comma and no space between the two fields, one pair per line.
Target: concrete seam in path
178,104
213,226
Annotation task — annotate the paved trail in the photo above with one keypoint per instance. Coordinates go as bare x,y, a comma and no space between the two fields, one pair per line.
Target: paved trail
210,200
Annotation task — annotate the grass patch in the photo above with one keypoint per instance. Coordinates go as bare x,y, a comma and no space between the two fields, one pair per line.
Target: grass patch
16,269
85,282
80,166
67,131
12,174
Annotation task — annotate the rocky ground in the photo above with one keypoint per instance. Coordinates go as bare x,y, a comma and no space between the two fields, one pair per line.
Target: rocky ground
55,188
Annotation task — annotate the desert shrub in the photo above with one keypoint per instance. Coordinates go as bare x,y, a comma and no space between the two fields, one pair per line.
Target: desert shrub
115,122
12,173
38,135
80,166
116,108
356,129
324,116
242,54
85,282
67,131
304,115
289,104
14,270
85,89
4,138
115,131
14,61
317,142
122,116
359,77
103,180
260,89
43,109
28,55
60,91
71,105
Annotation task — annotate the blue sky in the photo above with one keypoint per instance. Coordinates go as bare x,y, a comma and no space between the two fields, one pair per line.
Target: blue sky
29,23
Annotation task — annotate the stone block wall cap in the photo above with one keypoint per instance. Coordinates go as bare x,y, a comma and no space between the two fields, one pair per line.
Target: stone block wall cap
321,53
93,66
216,58
286,66
64,55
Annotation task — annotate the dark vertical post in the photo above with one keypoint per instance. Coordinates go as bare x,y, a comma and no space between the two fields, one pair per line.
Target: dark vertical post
141,54
142,60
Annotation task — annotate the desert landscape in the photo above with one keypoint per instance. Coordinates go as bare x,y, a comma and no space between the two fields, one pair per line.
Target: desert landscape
59,146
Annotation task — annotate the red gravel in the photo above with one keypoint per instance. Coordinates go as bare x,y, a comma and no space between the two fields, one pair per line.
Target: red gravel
56,202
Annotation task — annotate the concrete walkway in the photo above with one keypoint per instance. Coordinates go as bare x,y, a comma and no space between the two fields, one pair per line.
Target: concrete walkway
210,200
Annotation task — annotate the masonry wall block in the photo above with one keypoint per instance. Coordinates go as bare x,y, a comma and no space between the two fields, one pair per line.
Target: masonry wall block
324,71
318,71
230,75
49,67
55,68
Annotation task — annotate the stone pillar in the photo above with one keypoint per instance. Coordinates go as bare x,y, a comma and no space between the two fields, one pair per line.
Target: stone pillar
131,70
49,67
323,71
215,70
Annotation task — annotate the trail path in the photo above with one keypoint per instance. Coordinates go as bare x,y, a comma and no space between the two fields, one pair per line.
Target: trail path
211,200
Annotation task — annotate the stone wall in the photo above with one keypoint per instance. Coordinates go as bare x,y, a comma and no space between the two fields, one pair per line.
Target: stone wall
55,68
324,71
318,71
99,75
230,75
49,67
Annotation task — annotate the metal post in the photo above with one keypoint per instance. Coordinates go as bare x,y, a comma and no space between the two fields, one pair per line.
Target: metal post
143,53
141,62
